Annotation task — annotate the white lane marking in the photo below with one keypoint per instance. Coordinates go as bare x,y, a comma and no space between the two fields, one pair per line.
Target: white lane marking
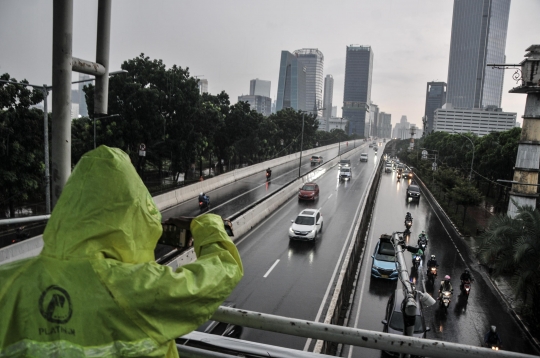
366,275
270,269
338,263
330,196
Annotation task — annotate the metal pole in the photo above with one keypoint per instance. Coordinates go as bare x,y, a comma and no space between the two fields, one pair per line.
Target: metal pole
355,336
101,93
94,130
301,146
472,161
46,151
61,70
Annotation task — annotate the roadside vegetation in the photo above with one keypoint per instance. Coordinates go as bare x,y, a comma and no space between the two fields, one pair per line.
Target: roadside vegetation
184,132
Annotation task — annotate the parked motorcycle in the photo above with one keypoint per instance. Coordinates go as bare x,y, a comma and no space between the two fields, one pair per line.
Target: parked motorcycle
444,300
465,289
432,273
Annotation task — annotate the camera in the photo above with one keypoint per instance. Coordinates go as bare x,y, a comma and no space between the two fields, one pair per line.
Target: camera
176,232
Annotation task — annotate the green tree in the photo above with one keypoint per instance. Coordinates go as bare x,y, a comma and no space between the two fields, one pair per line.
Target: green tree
21,144
512,246
467,195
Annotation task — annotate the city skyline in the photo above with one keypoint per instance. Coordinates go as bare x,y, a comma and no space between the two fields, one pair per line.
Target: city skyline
398,85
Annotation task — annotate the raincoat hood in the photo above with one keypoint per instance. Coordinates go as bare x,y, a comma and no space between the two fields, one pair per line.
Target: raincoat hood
104,211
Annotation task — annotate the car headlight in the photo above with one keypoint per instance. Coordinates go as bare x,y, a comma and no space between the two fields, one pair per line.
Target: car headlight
291,231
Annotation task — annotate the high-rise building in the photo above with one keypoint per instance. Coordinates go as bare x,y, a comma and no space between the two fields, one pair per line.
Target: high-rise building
401,129
291,91
328,95
313,59
478,37
435,98
334,111
259,87
374,113
261,104
83,108
385,126
203,86
357,91
480,121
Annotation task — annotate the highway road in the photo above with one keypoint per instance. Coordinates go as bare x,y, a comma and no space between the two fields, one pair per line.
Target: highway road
229,199
465,323
294,279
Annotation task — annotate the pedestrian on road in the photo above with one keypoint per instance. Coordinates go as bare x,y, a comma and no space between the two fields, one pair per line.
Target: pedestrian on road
95,289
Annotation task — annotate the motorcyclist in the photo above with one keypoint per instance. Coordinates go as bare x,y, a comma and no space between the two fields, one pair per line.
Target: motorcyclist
203,198
446,285
268,172
492,338
465,276
423,237
432,262
419,252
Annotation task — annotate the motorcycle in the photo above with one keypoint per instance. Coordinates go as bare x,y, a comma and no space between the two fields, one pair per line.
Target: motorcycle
416,261
432,273
465,289
408,224
204,203
399,176
422,244
444,300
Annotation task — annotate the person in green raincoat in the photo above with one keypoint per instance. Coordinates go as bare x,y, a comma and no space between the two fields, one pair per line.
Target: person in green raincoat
95,289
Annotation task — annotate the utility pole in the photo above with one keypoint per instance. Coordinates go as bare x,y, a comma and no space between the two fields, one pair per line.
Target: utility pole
408,307
524,191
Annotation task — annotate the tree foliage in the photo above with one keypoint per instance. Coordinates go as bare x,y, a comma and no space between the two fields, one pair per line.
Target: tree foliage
512,246
21,144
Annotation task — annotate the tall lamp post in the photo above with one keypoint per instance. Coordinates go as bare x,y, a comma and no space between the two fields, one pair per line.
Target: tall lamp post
472,144
302,140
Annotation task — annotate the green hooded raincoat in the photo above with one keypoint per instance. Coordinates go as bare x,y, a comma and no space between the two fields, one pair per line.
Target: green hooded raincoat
95,289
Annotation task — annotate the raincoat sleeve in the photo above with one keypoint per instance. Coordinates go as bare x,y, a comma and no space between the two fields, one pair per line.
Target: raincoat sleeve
167,304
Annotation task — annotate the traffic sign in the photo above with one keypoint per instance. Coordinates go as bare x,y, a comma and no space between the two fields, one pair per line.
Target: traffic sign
434,166
142,146
424,154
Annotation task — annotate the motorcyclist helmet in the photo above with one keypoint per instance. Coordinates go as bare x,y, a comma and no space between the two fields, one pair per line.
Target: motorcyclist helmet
493,329
447,278
423,233
433,257
466,272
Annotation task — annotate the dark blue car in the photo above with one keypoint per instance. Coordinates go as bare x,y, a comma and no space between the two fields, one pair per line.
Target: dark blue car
384,260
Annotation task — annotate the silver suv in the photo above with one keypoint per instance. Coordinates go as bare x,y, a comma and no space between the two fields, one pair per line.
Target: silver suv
345,173
307,224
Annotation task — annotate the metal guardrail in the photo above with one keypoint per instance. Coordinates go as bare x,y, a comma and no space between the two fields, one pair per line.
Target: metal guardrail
27,219
355,336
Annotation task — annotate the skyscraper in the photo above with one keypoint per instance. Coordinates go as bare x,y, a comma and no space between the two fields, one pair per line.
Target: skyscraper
357,91
327,100
259,87
435,98
292,83
478,37
313,59
83,108
385,126
374,113
203,86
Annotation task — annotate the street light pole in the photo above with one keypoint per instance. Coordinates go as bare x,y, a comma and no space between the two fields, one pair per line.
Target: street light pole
472,161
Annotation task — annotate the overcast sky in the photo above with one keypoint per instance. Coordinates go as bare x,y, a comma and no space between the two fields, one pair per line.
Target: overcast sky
230,42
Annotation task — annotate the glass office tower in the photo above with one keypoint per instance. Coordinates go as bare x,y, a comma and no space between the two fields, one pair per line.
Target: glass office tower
313,59
357,91
292,83
479,30
435,98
